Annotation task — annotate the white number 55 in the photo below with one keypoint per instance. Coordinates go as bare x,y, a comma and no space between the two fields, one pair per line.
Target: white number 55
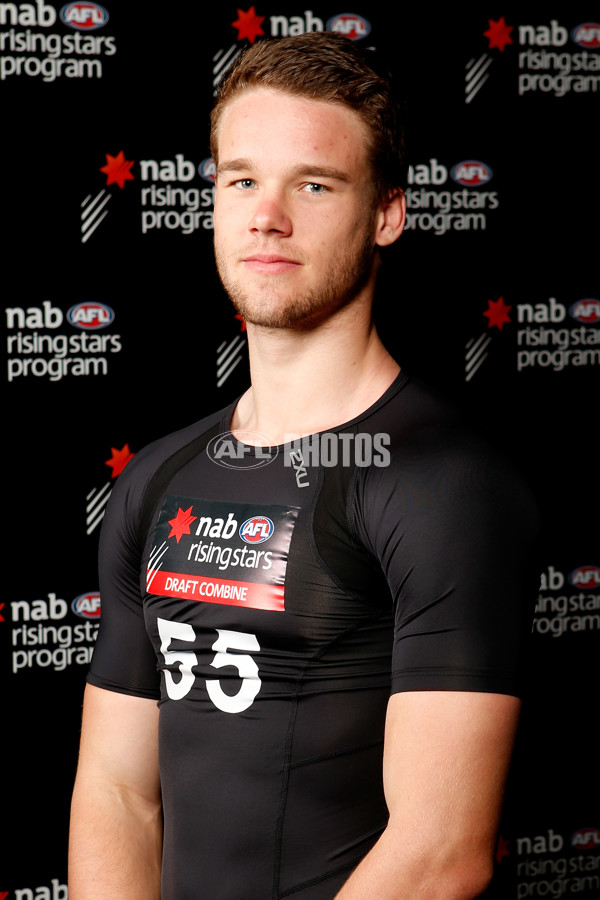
185,660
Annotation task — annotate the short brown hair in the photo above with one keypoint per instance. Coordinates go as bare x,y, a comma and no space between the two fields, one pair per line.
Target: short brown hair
329,67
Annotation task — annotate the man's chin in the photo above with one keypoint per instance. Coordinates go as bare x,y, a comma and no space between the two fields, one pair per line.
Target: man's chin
297,316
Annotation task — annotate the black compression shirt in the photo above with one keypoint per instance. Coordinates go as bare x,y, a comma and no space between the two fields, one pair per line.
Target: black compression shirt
271,599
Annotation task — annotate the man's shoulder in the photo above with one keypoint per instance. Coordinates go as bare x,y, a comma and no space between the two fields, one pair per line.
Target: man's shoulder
413,412
134,495
155,455
435,441
160,449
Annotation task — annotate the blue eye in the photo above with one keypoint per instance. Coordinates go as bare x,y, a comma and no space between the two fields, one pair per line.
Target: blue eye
313,188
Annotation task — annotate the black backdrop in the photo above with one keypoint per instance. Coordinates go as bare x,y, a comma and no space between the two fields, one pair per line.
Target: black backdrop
117,331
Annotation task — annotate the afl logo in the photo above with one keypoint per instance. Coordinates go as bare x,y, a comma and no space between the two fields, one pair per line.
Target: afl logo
90,316
87,606
208,169
586,838
84,16
587,35
226,450
471,173
586,311
350,25
585,577
256,530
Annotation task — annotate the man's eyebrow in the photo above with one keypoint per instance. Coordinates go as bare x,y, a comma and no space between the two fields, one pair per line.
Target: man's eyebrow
310,171
304,170
234,165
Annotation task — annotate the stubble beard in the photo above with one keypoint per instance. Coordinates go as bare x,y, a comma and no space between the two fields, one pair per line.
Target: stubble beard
340,285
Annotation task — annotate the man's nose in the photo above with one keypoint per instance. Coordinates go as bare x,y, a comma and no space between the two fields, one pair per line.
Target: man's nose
271,215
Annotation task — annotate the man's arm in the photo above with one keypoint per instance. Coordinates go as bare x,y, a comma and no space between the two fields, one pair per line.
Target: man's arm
116,821
446,760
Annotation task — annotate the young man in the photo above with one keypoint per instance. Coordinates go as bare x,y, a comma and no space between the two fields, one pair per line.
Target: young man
332,625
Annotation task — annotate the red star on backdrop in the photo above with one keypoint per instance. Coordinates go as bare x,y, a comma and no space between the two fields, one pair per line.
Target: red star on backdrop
180,525
117,169
502,849
248,24
242,321
497,313
498,34
119,459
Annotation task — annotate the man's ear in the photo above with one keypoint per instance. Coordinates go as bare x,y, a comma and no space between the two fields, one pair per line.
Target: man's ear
391,218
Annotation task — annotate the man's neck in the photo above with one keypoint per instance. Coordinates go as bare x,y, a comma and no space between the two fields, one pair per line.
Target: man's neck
304,382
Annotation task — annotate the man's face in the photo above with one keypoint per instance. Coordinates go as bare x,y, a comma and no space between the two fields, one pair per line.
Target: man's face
294,211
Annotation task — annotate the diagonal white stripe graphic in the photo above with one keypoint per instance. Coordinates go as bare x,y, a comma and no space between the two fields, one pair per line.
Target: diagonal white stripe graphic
95,497
229,358
222,60
223,57
153,569
85,237
476,354
475,66
156,553
95,506
90,217
231,348
221,381
474,345
92,523
93,204
476,77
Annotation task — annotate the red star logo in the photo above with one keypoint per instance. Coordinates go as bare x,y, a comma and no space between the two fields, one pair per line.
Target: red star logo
498,34
119,459
501,849
248,24
180,525
242,321
117,169
497,313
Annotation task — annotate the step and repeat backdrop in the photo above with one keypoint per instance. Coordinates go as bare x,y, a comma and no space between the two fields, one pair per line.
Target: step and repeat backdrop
116,331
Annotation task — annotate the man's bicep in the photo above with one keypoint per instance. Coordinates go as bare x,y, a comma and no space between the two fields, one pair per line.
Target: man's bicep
446,760
119,741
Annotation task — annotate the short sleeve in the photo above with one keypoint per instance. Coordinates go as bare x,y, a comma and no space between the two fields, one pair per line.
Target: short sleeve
123,659
454,528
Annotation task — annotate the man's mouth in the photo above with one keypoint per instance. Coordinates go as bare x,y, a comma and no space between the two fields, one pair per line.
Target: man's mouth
270,263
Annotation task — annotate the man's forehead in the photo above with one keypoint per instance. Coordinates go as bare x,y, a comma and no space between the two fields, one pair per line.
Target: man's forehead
283,114
268,100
